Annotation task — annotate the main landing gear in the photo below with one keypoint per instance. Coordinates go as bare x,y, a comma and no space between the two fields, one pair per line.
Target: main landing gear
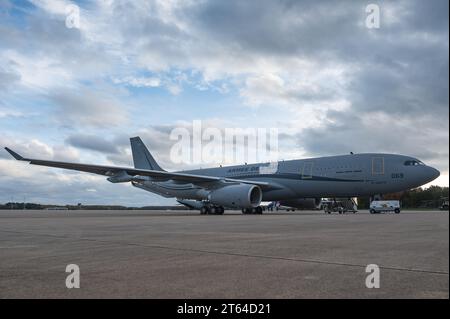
212,210
254,210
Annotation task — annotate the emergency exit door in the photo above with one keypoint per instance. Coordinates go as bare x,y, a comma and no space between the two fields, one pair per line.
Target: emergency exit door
307,170
377,165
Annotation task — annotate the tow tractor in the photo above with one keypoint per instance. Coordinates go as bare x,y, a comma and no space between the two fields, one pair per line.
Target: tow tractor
340,206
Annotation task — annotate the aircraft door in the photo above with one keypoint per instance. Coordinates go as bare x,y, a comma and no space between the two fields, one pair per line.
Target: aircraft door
307,170
378,165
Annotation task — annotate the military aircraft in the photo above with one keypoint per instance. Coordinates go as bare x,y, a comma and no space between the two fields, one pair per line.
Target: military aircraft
211,190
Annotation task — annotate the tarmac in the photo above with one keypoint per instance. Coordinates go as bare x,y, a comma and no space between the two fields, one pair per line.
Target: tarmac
181,254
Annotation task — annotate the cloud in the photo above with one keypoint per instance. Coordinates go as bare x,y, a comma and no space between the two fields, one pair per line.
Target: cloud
139,81
271,89
92,142
36,148
5,112
19,180
7,79
88,107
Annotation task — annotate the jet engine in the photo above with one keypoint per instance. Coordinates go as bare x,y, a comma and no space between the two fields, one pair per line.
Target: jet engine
124,177
236,196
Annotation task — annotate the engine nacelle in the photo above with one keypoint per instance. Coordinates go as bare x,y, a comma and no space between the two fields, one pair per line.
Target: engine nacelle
124,177
120,177
237,196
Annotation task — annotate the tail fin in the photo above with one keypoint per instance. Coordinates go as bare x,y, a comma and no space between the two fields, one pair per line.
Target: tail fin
141,156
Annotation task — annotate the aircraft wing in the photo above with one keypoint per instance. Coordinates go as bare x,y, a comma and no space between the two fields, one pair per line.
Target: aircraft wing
112,171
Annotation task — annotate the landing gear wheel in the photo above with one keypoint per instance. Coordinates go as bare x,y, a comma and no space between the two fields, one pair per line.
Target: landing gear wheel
218,210
204,210
259,210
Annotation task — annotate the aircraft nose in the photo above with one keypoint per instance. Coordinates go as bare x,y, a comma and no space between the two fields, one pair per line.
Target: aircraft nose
433,173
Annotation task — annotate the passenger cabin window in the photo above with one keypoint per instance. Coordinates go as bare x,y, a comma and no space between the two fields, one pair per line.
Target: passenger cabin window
413,163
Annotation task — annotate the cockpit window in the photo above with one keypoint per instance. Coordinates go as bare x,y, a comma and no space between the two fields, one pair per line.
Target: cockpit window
413,163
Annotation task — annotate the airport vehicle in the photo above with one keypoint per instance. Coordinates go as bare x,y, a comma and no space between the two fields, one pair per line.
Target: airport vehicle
340,206
333,207
379,206
245,186
444,205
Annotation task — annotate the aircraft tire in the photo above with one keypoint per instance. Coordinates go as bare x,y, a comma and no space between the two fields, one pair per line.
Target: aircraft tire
204,210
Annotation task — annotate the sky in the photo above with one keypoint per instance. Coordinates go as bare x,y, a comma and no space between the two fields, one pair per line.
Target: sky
75,89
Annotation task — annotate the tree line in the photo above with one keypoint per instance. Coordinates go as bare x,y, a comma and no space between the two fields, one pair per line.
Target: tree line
431,197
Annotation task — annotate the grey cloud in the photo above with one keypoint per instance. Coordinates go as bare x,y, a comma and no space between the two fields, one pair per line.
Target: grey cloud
94,143
399,69
4,154
48,189
118,150
431,16
284,27
34,148
121,159
7,78
88,107
311,27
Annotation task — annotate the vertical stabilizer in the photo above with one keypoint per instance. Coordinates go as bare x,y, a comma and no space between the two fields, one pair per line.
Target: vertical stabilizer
141,156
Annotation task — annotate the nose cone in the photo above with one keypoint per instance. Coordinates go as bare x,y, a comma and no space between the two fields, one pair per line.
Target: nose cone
432,173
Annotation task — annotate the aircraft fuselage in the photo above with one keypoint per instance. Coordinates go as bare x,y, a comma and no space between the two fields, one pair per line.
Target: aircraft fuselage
334,176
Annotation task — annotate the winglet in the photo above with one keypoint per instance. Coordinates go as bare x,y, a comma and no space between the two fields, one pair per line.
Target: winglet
14,154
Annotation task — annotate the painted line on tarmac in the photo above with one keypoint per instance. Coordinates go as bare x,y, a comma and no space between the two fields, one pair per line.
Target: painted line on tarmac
313,261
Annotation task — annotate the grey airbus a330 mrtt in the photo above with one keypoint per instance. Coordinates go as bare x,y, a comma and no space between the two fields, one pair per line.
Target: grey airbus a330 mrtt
245,186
